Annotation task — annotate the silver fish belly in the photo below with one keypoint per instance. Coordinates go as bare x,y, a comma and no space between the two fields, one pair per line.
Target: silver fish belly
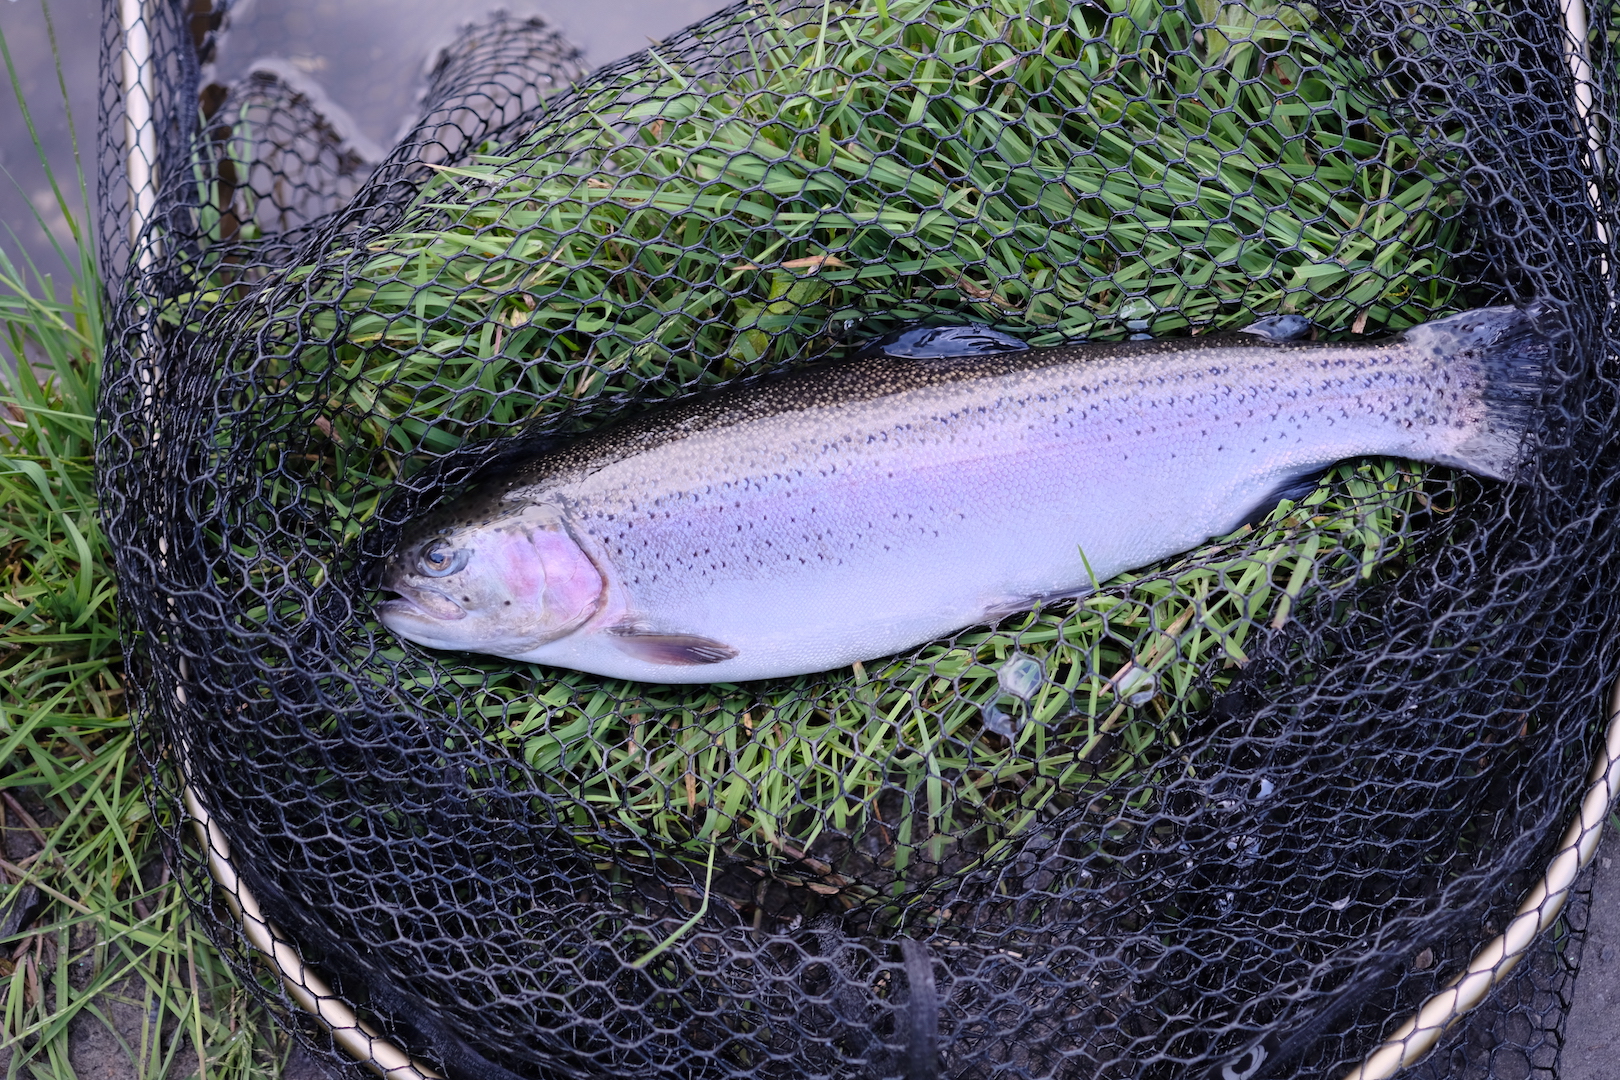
854,511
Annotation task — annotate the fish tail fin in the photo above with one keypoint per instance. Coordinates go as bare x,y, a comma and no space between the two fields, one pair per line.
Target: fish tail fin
1509,358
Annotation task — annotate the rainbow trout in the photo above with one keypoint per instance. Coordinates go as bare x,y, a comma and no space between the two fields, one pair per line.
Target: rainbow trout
858,509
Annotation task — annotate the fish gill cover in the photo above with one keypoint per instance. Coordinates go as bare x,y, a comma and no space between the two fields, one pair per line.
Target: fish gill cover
1218,798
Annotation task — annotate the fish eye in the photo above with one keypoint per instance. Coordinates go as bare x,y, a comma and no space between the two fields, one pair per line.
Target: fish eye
439,561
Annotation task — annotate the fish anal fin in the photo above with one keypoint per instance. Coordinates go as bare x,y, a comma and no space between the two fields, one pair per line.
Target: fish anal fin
674,650
1008,606
1294,488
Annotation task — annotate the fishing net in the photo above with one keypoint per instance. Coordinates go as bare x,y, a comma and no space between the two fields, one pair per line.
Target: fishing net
1243,810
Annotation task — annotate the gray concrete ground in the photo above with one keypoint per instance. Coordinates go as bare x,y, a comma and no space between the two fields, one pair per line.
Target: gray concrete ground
1592,1032
369,56
24,189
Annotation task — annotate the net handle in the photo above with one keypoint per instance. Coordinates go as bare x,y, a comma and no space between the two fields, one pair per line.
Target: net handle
1538,912
140,129
1576,33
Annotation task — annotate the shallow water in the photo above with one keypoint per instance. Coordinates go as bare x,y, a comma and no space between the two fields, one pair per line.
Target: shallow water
367,55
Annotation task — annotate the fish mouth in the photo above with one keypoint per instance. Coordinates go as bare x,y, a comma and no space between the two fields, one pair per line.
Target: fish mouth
420,604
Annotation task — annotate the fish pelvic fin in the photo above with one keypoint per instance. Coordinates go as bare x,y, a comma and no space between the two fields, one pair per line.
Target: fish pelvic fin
676,650
1511,355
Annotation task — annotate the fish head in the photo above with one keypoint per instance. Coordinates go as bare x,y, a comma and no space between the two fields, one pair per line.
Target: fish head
503,585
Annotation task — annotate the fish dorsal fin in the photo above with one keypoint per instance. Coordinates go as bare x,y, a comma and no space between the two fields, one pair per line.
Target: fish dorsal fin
676,650
920,342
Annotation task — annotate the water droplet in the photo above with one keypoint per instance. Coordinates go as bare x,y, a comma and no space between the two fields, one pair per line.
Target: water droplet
999,722
1020,676
1247,846
1136,324
1263,792
1141,337
1137,687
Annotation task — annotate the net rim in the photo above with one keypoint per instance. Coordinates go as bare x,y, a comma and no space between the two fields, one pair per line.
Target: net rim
1414,1040
1410,1043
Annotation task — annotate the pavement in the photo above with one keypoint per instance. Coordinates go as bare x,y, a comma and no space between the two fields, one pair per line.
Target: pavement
1592,1030
368,55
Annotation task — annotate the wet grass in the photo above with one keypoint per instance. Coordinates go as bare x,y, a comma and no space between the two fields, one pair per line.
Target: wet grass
1058,170
983,733
680,242
92,928
93,931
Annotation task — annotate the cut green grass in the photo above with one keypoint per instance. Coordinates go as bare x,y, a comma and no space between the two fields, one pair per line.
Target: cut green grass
1056,169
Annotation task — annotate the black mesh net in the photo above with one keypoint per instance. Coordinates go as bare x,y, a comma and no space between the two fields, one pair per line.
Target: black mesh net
1244,808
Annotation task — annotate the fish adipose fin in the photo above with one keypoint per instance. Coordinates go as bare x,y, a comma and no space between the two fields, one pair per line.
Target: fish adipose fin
1279,328
676,650
1512,356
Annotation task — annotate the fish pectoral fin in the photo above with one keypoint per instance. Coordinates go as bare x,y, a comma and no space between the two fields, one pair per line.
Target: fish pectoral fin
678,650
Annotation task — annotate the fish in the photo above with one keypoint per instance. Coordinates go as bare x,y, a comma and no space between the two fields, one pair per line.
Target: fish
936,480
